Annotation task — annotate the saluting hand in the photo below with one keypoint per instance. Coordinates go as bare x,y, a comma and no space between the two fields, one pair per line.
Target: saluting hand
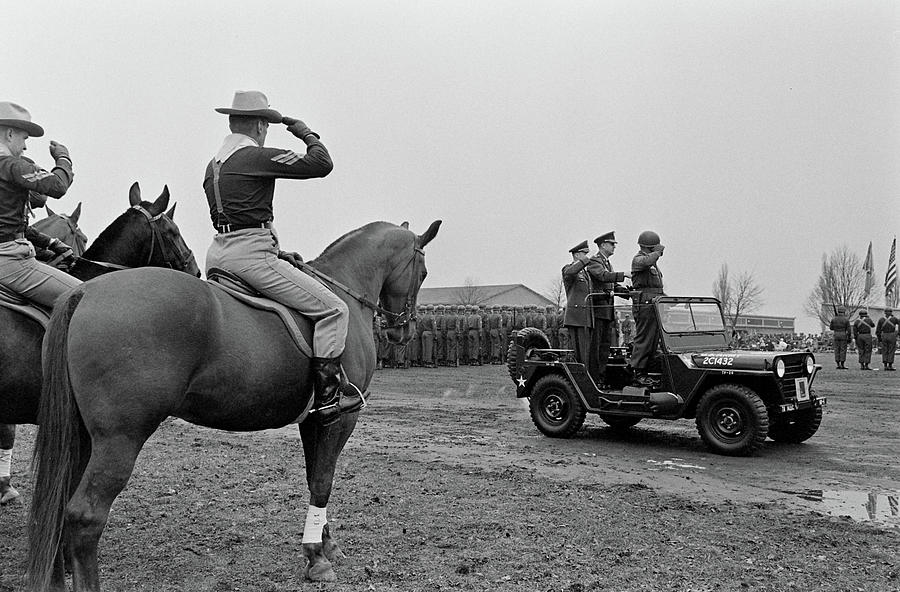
58,151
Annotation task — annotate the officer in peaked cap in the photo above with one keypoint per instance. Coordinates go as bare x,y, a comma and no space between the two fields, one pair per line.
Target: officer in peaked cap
840,325
604,285
578,320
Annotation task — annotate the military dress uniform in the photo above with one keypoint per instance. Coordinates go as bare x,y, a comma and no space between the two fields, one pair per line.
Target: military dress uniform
20,271
440,352
604,285
578,319
840,325
647,283
886,333
474,326
494,322
862,333
452,331
427,322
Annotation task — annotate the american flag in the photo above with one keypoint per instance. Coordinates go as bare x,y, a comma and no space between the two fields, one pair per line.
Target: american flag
890,279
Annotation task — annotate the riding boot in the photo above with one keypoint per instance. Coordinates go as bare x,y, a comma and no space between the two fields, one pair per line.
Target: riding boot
8,493
333,394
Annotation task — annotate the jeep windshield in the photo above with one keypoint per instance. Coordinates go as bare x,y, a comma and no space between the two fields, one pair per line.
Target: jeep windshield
691,324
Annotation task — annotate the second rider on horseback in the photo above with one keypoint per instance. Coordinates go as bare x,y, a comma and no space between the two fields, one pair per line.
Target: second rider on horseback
240,186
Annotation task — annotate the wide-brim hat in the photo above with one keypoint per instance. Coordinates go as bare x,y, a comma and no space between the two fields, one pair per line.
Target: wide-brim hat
582,246
609,237
251,103
12,115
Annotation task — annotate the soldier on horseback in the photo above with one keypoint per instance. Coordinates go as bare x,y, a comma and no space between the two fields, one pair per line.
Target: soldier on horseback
23,185
240,185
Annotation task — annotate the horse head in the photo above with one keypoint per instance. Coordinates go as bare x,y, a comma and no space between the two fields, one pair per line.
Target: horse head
65,228
145,235
401,285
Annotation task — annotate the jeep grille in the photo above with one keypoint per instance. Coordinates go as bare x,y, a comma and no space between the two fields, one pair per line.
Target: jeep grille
793,368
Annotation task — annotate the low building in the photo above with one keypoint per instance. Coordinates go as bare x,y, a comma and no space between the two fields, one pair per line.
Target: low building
491,295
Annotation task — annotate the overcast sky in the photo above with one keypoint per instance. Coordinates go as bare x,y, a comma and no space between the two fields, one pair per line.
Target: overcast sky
753,133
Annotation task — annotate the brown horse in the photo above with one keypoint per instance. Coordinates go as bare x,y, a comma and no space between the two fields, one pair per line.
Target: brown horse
144,235
128,350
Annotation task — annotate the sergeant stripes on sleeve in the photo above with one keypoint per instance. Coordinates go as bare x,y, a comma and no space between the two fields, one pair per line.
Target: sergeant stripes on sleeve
288,157
37,176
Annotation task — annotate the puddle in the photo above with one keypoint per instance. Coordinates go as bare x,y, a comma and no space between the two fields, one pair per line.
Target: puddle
877,508
672,464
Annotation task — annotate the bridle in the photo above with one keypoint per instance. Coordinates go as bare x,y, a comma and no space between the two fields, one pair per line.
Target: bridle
156,239
397,319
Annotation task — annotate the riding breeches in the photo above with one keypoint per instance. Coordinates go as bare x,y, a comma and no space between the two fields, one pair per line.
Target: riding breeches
25,275
252,255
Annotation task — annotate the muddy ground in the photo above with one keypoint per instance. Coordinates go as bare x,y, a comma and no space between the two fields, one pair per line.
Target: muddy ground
446,485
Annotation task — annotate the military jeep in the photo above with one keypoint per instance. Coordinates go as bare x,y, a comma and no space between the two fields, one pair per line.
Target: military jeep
737,397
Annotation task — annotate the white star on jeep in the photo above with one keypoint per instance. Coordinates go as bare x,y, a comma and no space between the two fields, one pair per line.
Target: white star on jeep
521,381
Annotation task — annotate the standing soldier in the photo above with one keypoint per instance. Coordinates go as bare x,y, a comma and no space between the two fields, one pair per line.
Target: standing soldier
552,327
561,331
627,330
452,334
886,332
604,285
519,321
414,347
377,337
494,322
439,336
505,330
862,334
647,281
840,324
474,341
384,351
427,322
484,352
578,320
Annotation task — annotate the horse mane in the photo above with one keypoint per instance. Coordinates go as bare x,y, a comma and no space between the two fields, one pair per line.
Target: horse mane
345,239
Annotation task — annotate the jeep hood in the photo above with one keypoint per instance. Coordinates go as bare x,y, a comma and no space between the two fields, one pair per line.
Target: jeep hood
742,359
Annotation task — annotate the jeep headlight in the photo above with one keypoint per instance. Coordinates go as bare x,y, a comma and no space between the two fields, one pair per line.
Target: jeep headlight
779,368
810,365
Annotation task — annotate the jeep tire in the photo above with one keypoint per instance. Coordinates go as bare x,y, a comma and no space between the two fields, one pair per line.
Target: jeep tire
555,408
732,420
532,337
797,427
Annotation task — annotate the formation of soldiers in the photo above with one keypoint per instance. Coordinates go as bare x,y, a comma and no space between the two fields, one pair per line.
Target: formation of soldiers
458,334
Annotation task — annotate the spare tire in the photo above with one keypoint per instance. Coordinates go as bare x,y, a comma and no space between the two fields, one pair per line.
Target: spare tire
532,338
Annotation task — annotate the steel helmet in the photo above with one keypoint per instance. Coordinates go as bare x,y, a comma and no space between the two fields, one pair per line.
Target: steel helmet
648,238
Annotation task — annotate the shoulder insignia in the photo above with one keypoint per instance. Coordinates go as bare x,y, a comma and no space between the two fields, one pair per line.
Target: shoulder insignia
288,157
37,175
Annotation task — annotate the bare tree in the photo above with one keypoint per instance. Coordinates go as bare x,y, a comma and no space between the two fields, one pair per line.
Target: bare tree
470,293
556,292
842,282
740,295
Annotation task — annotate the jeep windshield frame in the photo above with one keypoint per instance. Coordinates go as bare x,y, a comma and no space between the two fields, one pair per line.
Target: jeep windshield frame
691,324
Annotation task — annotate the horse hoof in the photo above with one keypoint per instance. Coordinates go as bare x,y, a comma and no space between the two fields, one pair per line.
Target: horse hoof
9,495
320,571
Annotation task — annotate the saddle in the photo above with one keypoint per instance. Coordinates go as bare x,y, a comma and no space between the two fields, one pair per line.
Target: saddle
18,303
237,288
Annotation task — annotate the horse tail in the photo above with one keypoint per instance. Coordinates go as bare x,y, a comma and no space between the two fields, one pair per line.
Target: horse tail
61,447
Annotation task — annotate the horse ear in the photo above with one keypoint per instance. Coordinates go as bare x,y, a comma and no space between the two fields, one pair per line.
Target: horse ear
49,211
161,203
432,231
405,224
76,213
171,212
134,194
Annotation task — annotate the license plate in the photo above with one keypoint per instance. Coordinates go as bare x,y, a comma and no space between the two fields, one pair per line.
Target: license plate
802,388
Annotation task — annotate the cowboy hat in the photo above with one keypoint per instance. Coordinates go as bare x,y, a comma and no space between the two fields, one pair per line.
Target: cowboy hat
12,115
251,103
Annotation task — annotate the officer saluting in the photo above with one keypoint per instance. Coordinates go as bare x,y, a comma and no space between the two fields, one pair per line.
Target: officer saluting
647,282
862,333
840,324
604,283
578,319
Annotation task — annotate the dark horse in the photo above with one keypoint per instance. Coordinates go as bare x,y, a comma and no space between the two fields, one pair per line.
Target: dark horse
128,350
144,235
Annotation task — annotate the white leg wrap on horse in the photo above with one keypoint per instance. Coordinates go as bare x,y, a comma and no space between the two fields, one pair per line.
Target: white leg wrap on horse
315,522
5,461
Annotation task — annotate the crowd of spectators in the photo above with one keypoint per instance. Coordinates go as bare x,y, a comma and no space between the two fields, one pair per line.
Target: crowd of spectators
786,342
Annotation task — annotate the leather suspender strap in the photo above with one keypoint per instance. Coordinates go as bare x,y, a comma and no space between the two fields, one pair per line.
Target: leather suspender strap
216,168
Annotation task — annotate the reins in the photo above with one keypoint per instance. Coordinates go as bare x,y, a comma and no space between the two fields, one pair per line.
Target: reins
400,319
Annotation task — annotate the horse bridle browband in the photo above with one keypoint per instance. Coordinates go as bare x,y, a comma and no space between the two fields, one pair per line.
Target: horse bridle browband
400,319
155,237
